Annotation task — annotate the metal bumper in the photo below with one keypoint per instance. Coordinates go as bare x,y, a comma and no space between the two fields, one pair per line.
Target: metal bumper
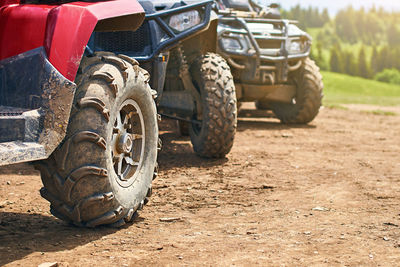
35,105
280,62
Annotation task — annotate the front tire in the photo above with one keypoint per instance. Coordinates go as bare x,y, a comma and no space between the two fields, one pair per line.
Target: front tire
213,136
307,102
102,172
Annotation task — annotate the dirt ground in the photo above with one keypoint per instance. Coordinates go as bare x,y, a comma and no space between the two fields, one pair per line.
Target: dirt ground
323,194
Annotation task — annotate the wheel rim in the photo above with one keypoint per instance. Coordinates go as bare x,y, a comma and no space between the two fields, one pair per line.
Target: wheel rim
128,140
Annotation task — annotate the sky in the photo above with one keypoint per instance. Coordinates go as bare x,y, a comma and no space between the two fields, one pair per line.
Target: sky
335,5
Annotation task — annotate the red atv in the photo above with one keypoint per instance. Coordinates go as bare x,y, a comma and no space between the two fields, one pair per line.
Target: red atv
88,122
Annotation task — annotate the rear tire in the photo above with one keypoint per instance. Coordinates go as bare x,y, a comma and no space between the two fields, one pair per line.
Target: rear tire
307,102
261,105
213,138
102,172
183,127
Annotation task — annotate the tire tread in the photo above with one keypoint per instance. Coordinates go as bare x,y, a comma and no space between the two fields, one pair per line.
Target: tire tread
60,180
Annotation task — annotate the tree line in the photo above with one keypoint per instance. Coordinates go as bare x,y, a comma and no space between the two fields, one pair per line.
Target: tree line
363,43
358,63
307,17
373,26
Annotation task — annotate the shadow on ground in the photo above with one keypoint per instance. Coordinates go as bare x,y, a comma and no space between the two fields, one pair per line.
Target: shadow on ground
20,169
177,152
22,234
252,119
251,124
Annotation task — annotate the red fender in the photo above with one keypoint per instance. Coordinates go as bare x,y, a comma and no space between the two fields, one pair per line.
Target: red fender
8,2
63,30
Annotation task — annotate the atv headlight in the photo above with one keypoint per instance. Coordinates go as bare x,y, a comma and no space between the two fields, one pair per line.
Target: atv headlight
295,47
231,44
185,20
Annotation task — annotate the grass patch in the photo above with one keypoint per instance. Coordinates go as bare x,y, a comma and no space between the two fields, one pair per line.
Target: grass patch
336,106
345,89
380,112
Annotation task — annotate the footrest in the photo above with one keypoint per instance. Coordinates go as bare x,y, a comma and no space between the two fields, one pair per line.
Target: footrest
15,152
17,124
6,111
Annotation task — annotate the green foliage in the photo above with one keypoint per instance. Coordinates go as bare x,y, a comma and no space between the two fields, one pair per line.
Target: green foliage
310,17
357,42
350,64
318,57
388,76
363,67
393,35
386,58
374,59
345,25
370,27
335,60
345,89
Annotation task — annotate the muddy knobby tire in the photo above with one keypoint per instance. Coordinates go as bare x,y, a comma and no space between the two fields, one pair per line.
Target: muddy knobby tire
211,75
309,86
82,178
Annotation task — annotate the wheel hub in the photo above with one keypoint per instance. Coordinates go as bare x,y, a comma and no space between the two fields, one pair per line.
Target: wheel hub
128,139
125,143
